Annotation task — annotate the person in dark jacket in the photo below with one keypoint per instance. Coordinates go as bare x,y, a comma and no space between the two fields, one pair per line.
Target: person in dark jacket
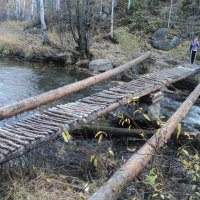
193,49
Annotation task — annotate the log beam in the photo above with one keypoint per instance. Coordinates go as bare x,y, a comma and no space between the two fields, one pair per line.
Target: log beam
112,132
125,175
35,102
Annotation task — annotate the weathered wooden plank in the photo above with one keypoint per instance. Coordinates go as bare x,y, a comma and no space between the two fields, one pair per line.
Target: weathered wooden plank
18,135
4,146
27,132
37,130
10,142
12,137
3,153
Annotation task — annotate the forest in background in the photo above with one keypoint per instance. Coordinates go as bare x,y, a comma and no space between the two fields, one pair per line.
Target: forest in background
84,20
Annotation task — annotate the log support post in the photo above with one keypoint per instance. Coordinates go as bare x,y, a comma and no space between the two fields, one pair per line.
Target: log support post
152,104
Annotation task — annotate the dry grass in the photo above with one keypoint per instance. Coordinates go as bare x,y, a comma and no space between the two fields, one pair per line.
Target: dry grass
9,38
58,171
43,185
12,36
104,49
128,42
62,39
14,24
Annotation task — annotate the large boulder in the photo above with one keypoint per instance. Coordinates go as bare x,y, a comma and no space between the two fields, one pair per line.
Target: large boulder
100,65
163,40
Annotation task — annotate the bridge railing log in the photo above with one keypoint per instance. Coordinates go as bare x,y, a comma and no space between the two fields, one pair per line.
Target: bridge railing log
36,101
125,175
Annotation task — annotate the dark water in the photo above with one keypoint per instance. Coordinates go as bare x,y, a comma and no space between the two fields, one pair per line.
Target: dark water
23,80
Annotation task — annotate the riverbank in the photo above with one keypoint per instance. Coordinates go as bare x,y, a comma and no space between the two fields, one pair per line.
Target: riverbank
17,41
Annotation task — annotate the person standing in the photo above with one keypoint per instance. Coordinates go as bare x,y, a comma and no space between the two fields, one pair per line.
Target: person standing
193,49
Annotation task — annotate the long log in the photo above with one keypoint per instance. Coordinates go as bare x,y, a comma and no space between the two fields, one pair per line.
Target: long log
125,175
35,102
112,132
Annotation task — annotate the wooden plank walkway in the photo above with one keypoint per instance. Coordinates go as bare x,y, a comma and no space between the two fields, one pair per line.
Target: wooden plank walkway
21,137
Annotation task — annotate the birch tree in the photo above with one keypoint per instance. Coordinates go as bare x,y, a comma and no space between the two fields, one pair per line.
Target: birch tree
43,24
101,8
7,10
17,9
24,7
111,34
57,6
170,12
129,5
33,9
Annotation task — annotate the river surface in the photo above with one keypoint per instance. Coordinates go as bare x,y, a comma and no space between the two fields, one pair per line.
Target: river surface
22,80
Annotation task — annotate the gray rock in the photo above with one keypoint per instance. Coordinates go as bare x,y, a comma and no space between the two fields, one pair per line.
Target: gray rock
153,111
100,65
162,64
172,61
136,69
5,52
162,40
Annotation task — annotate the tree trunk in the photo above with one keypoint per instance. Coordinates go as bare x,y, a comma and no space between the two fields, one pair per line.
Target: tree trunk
17,9
57,5
125,175
81,24
7,10
111,34
24,7
101,8
170,12
33,9
129,5
113,132
35,102
43,24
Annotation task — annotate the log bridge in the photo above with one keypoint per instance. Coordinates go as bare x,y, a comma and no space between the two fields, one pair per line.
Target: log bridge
21,137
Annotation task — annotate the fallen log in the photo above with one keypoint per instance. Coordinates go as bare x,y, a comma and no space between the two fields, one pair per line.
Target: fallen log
125,175
35,102
112,132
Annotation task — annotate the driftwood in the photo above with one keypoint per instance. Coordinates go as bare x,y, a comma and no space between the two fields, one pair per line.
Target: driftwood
113,132
34,102
125,175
